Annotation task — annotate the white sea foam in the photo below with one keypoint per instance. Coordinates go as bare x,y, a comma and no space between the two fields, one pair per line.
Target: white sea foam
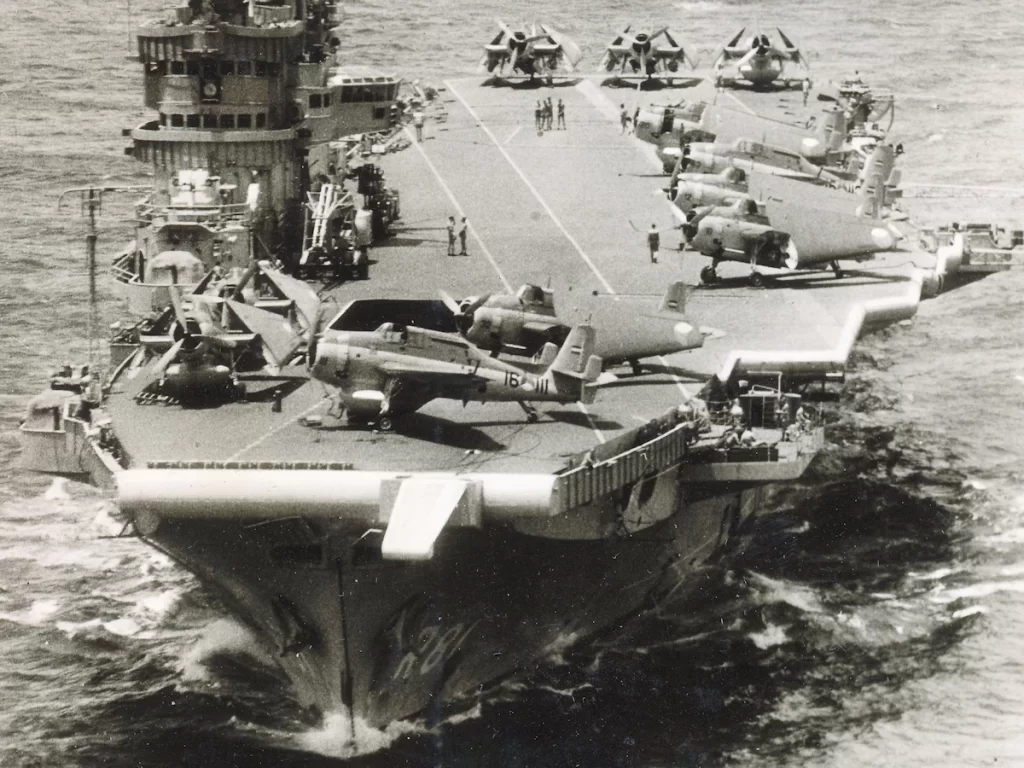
984,589
972,611
58,490
36,614
335,737
772,636
72,628
125,627
222,636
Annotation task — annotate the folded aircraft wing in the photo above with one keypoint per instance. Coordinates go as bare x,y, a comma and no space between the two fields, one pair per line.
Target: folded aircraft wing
279,338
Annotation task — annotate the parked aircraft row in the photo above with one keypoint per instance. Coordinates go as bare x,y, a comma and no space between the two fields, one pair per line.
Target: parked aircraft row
541,50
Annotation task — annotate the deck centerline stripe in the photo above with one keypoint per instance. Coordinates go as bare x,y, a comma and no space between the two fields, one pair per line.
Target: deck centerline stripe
451,196
529,185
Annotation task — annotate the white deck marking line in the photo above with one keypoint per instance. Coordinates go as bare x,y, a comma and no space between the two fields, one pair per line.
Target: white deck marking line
748,109
461,212
234,456
590,420
513,134
529,185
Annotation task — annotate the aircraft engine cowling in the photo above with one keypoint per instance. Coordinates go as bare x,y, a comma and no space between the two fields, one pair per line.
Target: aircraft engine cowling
331,358
688,196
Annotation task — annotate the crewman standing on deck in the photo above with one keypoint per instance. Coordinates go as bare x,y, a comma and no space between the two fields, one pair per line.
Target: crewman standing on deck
806,89
451,235
654,243
418,118
623,118
538,116
561,115
462,237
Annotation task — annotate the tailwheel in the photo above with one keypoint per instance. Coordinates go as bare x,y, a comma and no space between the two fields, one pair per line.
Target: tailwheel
531,413
708,275
756,279
636,367
836,269
532,417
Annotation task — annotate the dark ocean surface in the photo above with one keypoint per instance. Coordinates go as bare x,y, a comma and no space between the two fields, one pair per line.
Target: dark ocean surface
877,617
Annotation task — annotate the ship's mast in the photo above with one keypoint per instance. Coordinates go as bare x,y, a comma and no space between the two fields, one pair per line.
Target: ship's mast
91,200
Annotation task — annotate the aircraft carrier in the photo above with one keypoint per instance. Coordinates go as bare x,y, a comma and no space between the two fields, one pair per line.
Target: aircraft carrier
550,531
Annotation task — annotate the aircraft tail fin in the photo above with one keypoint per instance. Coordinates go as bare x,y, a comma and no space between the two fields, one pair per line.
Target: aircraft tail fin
832,131
675,298
575,366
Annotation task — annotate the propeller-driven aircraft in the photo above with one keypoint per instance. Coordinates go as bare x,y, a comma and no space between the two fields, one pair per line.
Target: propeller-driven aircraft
209,346
540,51
628,332
758,61
670,128
645,54
397,369
784,223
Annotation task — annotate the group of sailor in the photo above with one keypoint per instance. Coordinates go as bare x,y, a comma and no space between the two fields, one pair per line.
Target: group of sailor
544,115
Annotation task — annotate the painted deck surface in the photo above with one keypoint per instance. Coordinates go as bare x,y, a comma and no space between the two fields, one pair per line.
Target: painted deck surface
569,207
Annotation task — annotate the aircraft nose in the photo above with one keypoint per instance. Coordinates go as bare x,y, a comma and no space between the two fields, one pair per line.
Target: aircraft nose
686,197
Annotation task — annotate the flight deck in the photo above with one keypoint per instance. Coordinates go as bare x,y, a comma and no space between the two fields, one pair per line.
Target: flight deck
565,208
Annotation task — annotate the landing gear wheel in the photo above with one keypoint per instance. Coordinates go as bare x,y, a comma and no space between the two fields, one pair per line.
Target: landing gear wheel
757,279
385,424
532,417
364,271
708,275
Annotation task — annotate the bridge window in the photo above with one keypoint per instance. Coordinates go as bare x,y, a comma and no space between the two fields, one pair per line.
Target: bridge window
163,119
314,101
192,121
209,121
177,67
327,99
227,121
227,68
245,121
244,68
261,120
380,113
191,67
273,69
261,69
177,121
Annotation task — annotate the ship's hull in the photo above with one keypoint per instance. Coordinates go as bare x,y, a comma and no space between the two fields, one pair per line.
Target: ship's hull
385,640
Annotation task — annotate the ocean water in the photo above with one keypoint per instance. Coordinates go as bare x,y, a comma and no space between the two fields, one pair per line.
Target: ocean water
876,617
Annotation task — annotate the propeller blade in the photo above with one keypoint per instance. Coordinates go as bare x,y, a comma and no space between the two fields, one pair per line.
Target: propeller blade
450,303
659,33
501,25
166,359
476,304
179,312
785,40
670,39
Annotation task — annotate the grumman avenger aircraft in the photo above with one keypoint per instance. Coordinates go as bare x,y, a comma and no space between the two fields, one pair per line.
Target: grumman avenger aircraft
397,369
758,61
211,346
645,55
796,226
530,52
694,190
721,129
628,332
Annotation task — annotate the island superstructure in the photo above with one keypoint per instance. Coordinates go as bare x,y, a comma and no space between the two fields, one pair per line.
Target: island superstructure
391,570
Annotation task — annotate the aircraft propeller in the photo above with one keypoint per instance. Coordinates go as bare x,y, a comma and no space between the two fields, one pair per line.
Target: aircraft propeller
464,312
